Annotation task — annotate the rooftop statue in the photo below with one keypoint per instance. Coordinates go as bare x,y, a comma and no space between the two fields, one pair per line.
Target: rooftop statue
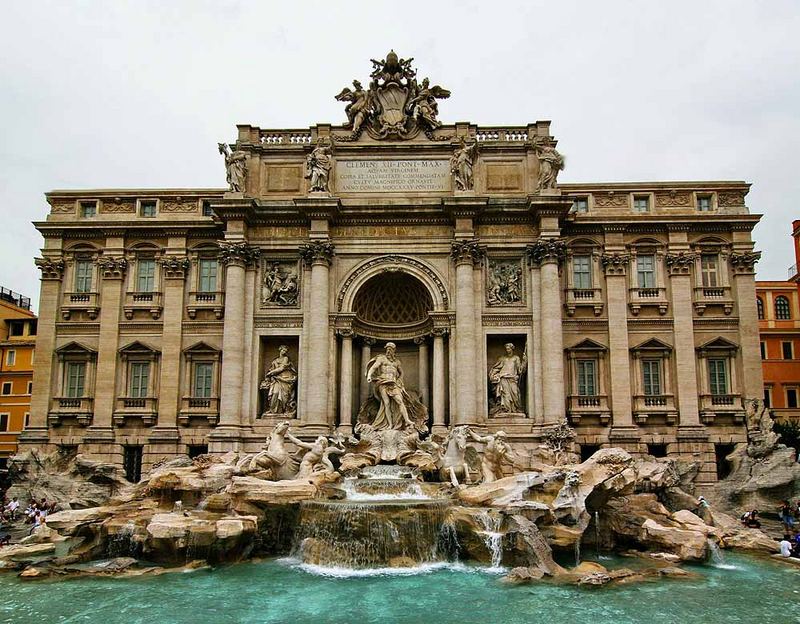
318,166
235,168
394,104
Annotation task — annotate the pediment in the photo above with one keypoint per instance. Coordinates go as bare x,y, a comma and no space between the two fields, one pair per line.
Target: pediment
74,347
200,347
652,344
137,347
718,344
587,345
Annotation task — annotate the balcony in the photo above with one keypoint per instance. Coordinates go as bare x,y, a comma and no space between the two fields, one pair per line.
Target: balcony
199,407
713,405
80,408
145,408
706,296
147,301
639,298
88,302
646,405
214,301
579,406
583,297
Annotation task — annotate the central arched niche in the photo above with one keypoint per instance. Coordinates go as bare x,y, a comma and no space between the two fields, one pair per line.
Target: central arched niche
393,304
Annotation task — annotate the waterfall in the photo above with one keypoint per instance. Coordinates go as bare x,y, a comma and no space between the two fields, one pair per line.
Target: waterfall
577,552
597,533
492,536
122,544
717,556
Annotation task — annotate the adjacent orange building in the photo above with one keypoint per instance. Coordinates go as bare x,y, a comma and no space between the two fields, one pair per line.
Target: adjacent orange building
17,342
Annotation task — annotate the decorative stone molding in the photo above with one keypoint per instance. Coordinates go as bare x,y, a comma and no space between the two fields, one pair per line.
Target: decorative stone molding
62,208
440,332
730,199
177,205
238,253
112,267
175,267
51,268
546,250
673,199
615,263
467,251
744,263
119,206
317,252
281,323
345,332
680,263
610,200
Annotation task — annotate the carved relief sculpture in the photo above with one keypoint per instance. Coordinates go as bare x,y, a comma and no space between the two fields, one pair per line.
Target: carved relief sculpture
550,164
235,168
495,454
360,107
504,280
318,166
280,285
504,377
279,382
461,164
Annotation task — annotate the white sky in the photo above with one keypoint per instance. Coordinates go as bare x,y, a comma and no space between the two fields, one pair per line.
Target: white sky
137,94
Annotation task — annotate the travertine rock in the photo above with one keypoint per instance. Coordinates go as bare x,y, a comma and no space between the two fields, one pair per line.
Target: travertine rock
260,492
687,544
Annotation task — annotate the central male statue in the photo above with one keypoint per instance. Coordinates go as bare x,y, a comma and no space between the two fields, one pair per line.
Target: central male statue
387,375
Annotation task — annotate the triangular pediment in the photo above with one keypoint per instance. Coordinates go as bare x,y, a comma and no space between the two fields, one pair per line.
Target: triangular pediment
201,347
587,344
76,348
652,344
718,344
138,347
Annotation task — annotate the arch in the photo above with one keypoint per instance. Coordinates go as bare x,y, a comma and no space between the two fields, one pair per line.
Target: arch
760,307
583,242
390,263
783,311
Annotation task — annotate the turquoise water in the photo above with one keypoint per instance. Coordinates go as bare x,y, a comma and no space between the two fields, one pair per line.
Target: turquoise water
754,591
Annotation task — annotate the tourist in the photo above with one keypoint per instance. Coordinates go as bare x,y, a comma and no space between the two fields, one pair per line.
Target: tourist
786,515
704,510
750,519
786,546
12,508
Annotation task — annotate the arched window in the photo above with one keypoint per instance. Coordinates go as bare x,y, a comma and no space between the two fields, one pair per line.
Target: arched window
760,306
782,310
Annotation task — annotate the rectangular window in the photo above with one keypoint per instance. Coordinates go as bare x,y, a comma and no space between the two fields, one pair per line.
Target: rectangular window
88,208
83,276
140,379
704,203
145,275
76,379
147,208
207,212
763,350
208,275
646,271
195,450
786,350
657,450
7,388
30,387
709,270
641,204
767,397
132,462
27,420
718,376
202,380
32,327
16,328
11,357
580,204
791,397
587,377
581,272
4,422
651,377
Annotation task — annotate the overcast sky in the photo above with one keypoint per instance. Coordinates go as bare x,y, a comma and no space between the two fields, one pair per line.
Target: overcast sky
137,94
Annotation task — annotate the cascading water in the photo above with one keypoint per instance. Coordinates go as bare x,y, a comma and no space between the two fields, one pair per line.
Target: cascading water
717,557
492,536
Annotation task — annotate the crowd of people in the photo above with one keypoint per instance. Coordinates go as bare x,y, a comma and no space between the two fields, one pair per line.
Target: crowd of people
34,514
789,516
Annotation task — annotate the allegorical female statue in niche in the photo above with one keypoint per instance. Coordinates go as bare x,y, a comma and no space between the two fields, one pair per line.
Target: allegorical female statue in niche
279,382
505,377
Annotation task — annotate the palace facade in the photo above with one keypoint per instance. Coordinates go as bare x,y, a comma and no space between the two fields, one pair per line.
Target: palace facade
193,320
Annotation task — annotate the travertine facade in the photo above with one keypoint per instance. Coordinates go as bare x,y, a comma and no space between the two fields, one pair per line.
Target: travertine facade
632,306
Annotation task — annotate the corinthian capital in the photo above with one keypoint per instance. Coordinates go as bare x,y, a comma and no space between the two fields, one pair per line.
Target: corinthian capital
175,267
317,251
546,250
680,263
112,267
467,251
51,268
615,263
238,253
745,262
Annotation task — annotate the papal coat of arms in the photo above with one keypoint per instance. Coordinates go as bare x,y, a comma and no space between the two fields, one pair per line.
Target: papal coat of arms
395,104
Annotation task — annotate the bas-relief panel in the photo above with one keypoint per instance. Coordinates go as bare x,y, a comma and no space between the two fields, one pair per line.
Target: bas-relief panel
504,177
504,283
280,283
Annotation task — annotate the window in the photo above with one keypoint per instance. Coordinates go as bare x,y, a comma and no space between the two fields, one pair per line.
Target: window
76,379
718,376
791,397
145,275
709,270
4,422
763,350
782,310
721,452
27,422
587,377
704,203
16,328
641,204
587,450
11,357
646,270
581,271
657,450
140,379
208,275
651,377
132,462
760,307
32,327
88,209
7,388
580,204
30,388
83,276
207,212
195,450
767,396
787,351
147,208
202,380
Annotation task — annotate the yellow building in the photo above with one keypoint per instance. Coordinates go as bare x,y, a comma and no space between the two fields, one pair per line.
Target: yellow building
17,342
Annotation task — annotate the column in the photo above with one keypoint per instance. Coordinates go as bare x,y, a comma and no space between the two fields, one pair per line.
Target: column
535,362
615,266
549,253
366,356
743,266
319,255
424,393
679,267
439,388
466,255
346,382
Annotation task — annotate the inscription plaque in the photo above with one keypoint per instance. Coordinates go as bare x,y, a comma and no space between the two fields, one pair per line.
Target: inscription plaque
389,176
